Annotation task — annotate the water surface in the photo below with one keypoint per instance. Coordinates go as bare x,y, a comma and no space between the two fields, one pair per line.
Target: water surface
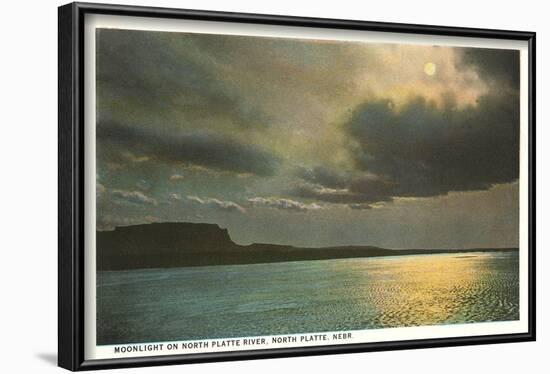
306,296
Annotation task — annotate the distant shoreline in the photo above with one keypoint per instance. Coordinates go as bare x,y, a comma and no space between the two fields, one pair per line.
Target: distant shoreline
244,258
169,245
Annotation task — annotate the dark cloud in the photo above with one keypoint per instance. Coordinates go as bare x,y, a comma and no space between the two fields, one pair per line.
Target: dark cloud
359,190
335,186
200,148
499,65
323,176
425,150
164,75
421,150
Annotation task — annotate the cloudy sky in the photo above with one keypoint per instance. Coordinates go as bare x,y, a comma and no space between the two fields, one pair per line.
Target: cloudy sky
309,142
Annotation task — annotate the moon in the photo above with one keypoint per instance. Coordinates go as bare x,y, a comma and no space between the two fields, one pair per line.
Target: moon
430,68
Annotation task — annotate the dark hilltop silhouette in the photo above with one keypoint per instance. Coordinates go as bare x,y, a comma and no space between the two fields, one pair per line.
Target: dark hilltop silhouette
163,245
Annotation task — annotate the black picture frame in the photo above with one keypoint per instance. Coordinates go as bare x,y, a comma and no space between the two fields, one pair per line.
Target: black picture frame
71,183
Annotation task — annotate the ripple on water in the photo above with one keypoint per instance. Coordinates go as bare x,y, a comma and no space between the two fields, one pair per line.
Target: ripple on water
306,296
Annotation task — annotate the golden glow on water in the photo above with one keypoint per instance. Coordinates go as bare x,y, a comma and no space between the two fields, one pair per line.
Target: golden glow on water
430,289
434,289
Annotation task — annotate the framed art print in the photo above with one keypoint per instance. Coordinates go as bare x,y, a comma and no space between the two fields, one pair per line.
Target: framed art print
238,186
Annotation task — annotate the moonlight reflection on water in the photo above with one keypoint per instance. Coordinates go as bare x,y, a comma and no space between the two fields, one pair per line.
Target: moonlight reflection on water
306,296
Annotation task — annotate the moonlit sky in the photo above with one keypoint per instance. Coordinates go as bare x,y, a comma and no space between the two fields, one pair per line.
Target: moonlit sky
309,143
